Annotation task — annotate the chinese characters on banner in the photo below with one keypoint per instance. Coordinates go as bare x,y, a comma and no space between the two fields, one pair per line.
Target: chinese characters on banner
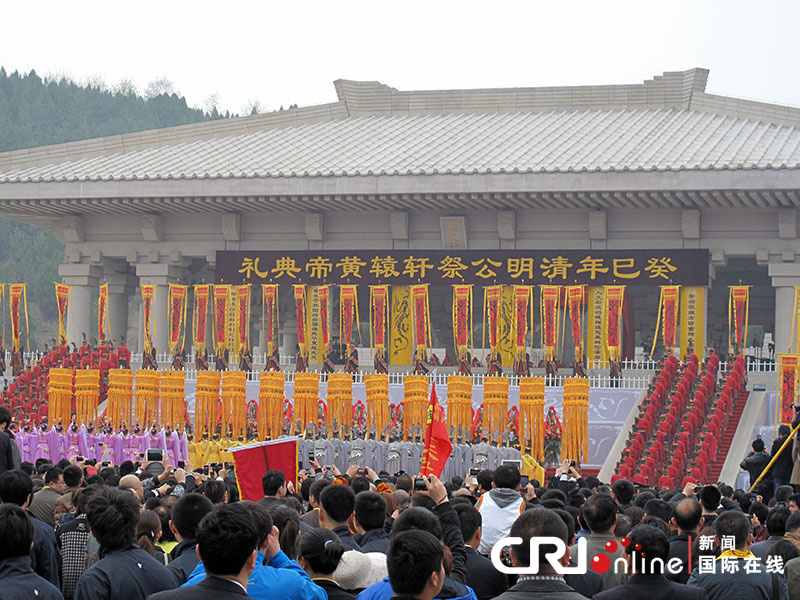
668,309
269,315
102,313
348,314
693,320
596,346
148,297
484,267
242,318
176,305
550,320
18,298
63,293
378,302
300,315
738,315
222,295
575,294
492,297
613,298
462,320
522,297
402,347
201,295
788,369
422,325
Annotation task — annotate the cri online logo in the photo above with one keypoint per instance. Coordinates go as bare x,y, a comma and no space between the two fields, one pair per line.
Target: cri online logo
554,550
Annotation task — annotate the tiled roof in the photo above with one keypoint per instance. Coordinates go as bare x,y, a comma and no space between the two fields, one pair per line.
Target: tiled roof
520,142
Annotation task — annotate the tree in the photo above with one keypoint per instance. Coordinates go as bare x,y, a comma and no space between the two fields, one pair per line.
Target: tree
159,86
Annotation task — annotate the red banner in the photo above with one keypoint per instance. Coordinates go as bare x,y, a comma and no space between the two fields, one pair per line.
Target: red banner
419,297
222,295
253,460
738,313
348,311
102,313
201,296
789,365
269,314
379,298
575,305
148,297
62,301
671,307
242,318
437,446
522,296
551,295
613,297
300,315
462,318
324,292
492,296
177,315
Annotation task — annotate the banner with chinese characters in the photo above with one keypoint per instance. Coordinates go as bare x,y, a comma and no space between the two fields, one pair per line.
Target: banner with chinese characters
522,299
300,315
462,320
738,316
18,299
550,319
788,368
148,298
242,294
575,295
693,321
201,295
613,298
422,326
492,301
401,342
63,293
378,303
794,339
348,315
596,347
102,314
494,267
668,305
176,305
507,322
269,317
324,294
222,300
314,324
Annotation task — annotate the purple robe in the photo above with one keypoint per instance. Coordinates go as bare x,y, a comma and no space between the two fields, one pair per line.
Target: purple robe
173,448
25,441
159,440
116,454
46,445
184,447
76,444
130,448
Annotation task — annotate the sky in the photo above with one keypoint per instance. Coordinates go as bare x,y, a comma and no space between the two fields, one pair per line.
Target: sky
291,52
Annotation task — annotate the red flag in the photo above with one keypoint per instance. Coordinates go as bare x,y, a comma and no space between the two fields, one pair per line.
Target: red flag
253,460
437,441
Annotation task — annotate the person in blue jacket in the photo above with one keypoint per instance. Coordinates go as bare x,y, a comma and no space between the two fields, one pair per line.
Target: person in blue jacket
444,524
276,576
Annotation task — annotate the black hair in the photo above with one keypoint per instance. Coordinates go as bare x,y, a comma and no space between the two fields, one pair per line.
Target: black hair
73,476
553,493
338,502
370,509
226,539
656,507
541,522
316,488
735,524
783,493
423,501
187,513
784,430
569,521
126,468
305,488
95,480
623,527
16,531
112,515
660,524
485,479
26,468
776,520
83,498
322,550
643,498
262,521
15,487
760,510
599,512
52,475
233,491
746,500
793,522
287,520
652,544
687,514
725,490
758,445
470,519
417,518
507,476
709,497
215,491
164,513
623,491
404,482
413,556
5,415
272,481
147,528
785,549
359,484
553,504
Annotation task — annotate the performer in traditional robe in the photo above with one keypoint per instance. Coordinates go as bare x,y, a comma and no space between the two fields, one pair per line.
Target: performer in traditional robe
149,360
274,363
46,444
579,369
495,365
124,354
246,361
179,360
420,364
380,363
464,363
351,366
327,363
201,361
76,442
222,361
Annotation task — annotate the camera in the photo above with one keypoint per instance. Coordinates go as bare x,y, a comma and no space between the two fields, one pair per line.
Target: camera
419,485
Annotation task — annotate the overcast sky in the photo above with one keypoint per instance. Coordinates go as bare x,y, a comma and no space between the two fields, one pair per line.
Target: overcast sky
290,52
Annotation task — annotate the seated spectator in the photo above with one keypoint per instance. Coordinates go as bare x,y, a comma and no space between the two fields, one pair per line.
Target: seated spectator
500,507
124,570
776,528
415,562
369,516
227,541
646,566
482,577
16,573
185,518
337,503
320,553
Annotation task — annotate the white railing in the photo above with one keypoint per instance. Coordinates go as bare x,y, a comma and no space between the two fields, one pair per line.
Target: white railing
641,365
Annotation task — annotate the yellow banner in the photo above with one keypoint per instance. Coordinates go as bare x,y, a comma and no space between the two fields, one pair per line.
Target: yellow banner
595,348
507,320
102,314
401,339
63,293
314,326
693,322
148,298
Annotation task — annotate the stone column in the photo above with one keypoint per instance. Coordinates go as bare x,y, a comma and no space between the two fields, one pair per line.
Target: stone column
121,286
84,279
784,277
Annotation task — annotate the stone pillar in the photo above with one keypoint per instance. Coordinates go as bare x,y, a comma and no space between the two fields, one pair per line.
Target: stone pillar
160,275
784,277
84,279
121,286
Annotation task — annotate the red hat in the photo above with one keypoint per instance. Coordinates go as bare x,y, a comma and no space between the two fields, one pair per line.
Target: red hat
639,479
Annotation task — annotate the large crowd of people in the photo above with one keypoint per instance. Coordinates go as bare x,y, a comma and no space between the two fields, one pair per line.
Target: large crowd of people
153,530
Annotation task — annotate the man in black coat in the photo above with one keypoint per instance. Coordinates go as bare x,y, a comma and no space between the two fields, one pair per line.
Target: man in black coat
648,581
782,468
755,462
19,580
226,540
369,516
336,506
185,518
687,521
486,581
6,441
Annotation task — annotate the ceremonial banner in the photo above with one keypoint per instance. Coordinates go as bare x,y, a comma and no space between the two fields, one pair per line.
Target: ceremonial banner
492,299
613,297
693,322
269,316
550,319
348,314
507,326
222,296
201,296
668,304
102,313
788,369
437,447
738,317
314,326
378,302
462,320
401,340
794,339
18,298
324,293
422,326
522,296
575,306
63,293
148,297
176,305
242,318
300,315
596,348
253,460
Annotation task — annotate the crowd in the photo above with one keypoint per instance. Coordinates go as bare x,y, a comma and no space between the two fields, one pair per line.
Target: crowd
151,530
